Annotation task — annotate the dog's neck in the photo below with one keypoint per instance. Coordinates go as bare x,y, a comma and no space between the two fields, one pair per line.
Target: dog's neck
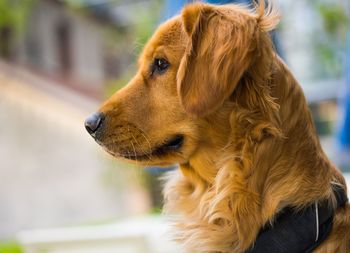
205,160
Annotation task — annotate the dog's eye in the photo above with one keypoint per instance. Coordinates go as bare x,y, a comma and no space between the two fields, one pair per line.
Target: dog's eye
159,66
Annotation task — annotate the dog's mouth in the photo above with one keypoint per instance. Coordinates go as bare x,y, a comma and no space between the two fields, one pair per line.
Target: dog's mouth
173,144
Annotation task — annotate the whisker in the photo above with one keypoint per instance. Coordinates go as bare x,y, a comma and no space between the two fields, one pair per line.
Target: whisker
133,147
149,144
143,151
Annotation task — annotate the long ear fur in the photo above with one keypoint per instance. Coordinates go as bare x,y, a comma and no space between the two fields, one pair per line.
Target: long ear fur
268,16
220,49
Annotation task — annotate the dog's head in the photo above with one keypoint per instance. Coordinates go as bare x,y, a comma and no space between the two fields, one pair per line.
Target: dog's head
179,97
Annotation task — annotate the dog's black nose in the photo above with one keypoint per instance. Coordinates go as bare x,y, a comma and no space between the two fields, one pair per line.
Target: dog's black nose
93,122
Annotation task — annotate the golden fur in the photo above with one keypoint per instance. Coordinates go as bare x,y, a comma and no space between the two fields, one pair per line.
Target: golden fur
250,146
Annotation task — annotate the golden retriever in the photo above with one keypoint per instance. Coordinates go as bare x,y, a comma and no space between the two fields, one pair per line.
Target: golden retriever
212,95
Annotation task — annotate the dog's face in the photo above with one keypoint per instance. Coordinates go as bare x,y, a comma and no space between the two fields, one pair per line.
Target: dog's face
186,72
145,121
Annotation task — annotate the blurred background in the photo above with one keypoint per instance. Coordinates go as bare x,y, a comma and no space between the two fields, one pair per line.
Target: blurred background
59,192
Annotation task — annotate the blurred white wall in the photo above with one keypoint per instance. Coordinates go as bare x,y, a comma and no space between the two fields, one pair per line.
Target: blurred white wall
84,45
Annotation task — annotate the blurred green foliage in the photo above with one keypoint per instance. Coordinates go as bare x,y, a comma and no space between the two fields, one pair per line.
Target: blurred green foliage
330,42
335,19
13,17
10,247
133,39
14,13
146,24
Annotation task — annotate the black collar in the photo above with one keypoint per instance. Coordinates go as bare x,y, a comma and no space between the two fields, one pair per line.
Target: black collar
299,231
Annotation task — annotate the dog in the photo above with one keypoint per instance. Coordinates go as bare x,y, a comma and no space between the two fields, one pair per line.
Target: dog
211,95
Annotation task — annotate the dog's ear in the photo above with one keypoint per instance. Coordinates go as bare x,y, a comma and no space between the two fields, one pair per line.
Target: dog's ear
217,54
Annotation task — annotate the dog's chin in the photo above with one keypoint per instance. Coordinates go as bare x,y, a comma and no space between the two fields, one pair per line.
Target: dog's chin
165,154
